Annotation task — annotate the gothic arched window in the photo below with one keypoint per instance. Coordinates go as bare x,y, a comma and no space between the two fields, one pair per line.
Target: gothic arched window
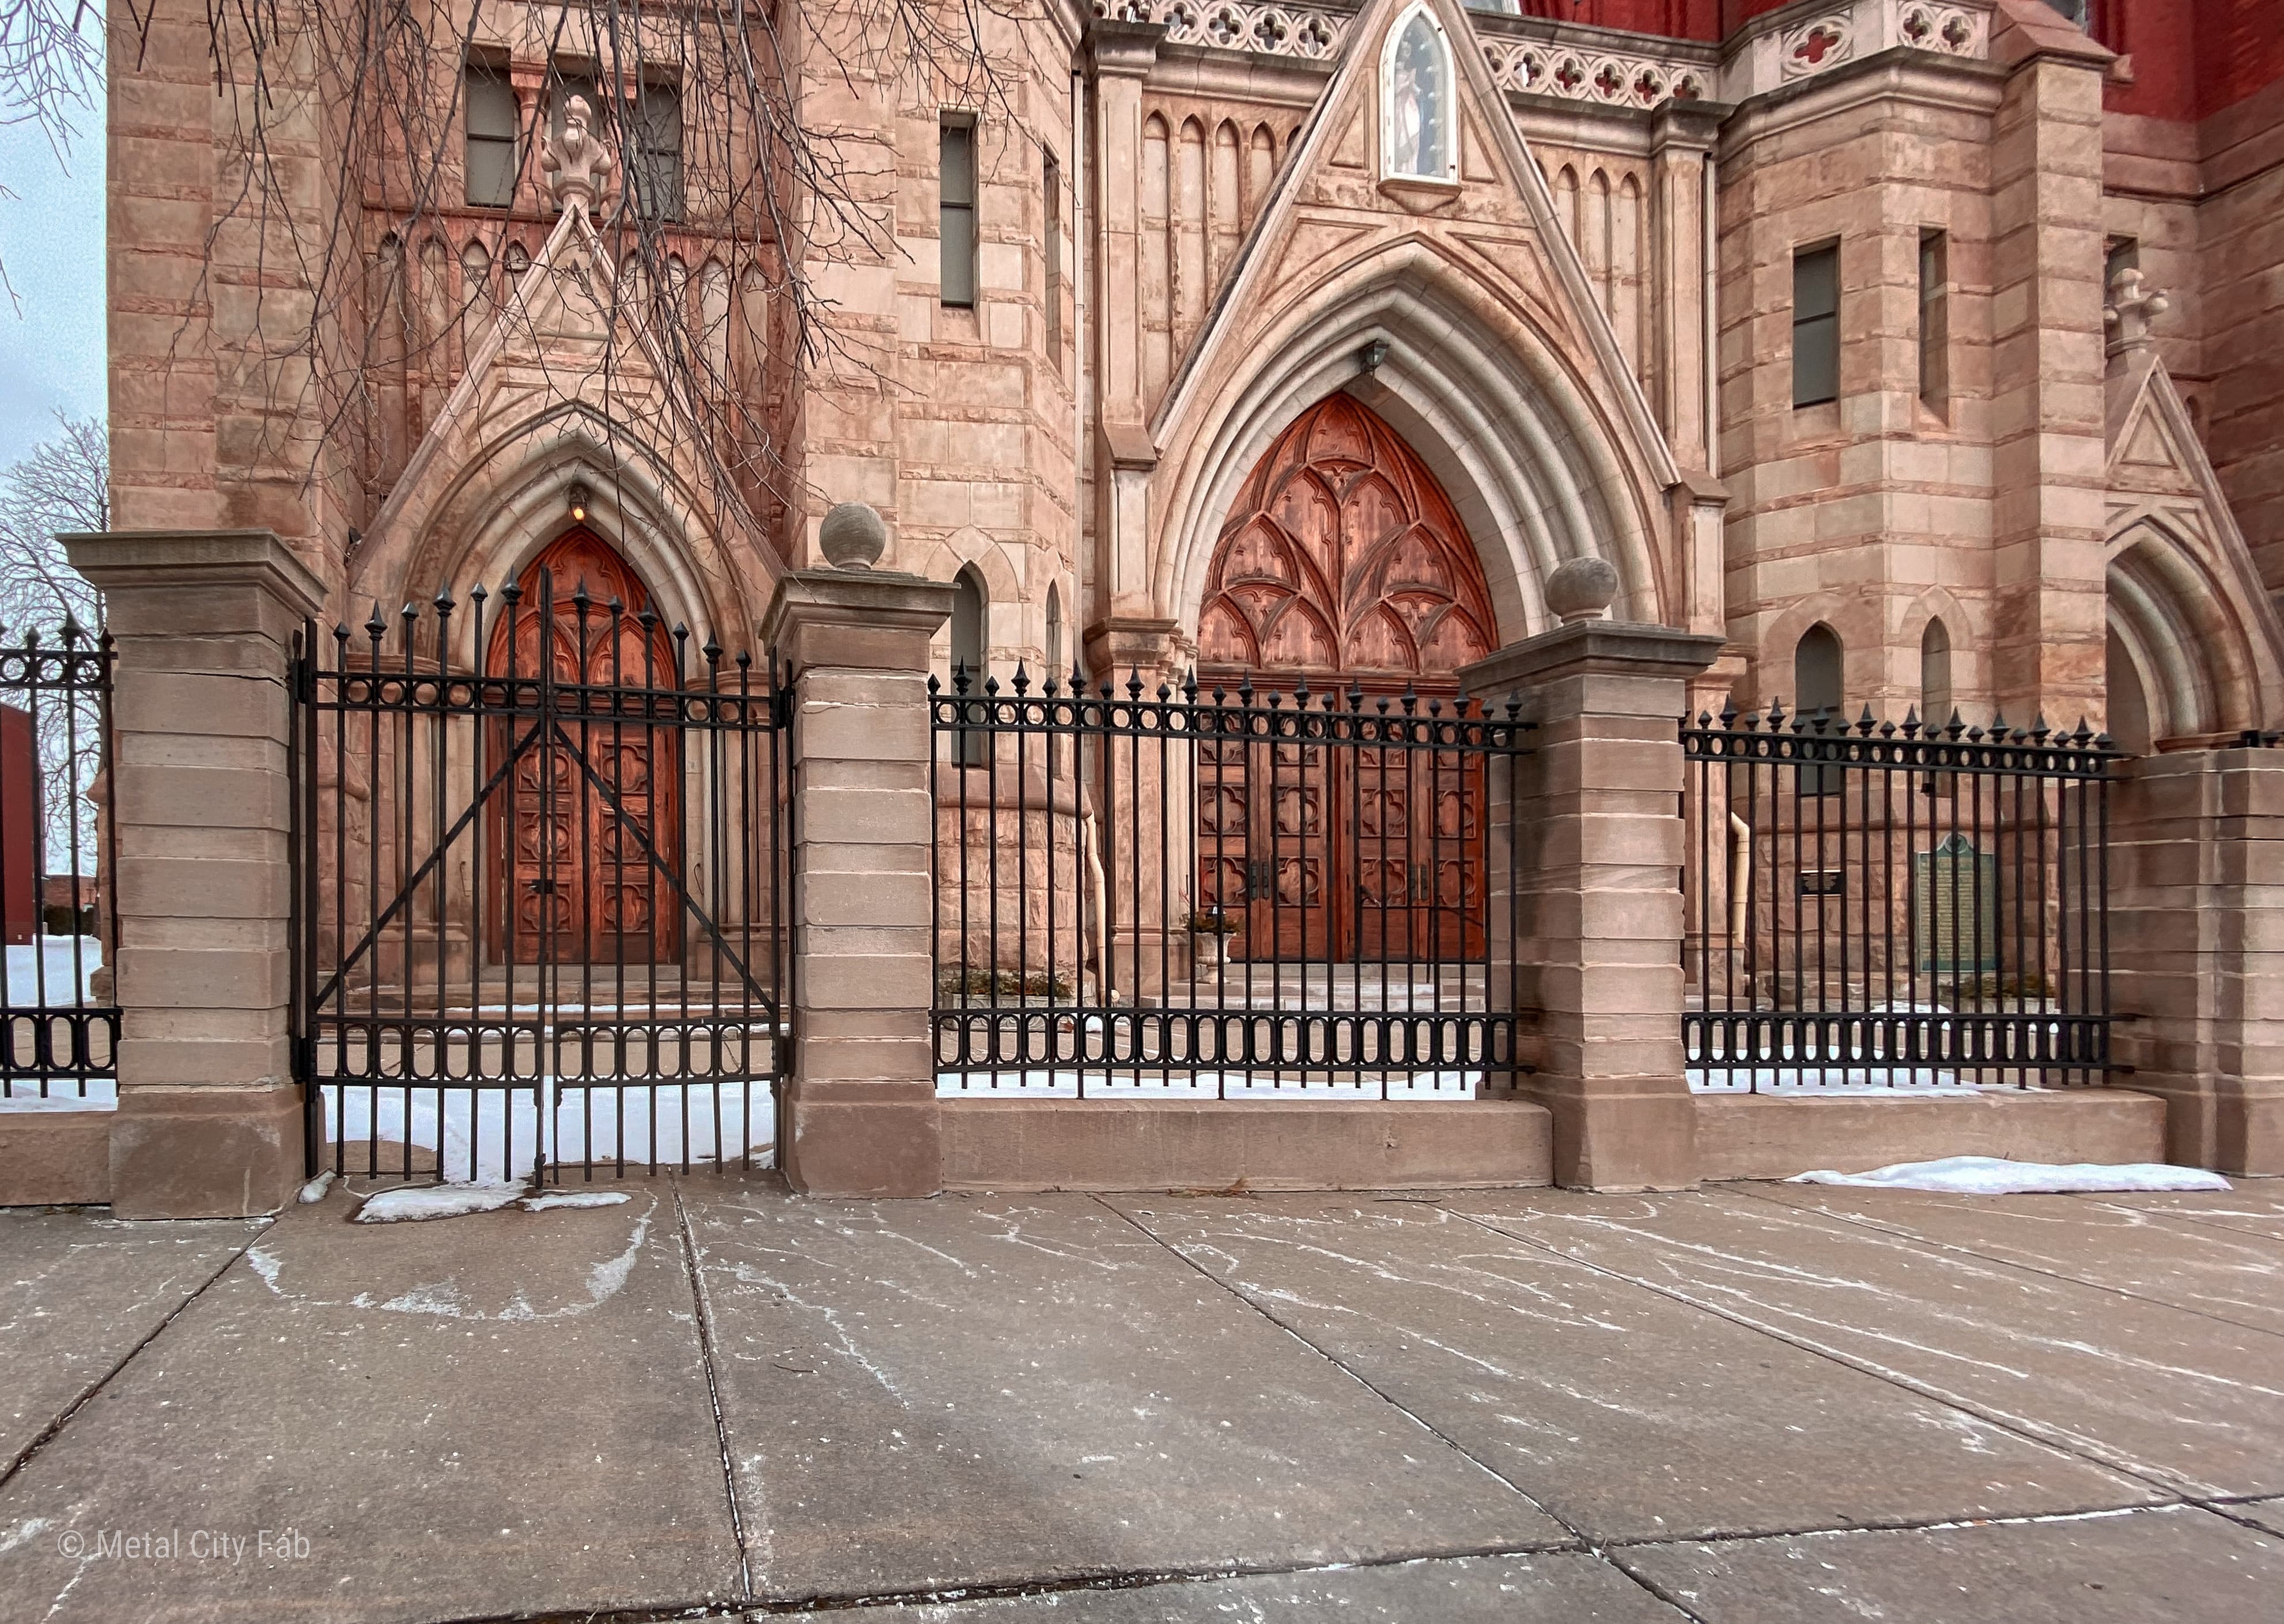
971,631
1415,101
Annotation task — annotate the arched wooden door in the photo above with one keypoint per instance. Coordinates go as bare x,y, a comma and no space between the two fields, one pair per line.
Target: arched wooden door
585,830
1343,562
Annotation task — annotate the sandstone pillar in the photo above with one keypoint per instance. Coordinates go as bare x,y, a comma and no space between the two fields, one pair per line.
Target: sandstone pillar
1596,865
209,1122
859,1116
2048,455
2196,930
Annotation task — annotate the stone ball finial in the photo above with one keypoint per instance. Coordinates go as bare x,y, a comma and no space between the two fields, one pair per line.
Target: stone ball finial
1582,589
853,536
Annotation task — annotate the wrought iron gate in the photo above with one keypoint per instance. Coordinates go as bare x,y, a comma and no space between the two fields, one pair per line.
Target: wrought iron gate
56,900
541,852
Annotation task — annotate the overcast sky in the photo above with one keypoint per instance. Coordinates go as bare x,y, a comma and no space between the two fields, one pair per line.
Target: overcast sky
51,247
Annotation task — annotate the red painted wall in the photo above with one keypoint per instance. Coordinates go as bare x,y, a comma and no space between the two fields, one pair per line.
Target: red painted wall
1689,19
2191,61
2240,48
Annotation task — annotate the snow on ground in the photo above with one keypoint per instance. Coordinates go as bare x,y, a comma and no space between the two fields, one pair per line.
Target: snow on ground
1837,1080
24,1095
1994,1176
1128,1082
412,1203
492,1134
48,971
550,1200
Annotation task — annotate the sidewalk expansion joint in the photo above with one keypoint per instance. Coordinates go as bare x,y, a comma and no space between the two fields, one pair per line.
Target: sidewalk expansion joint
1580,1540
703,1310
24,1455
2022,1427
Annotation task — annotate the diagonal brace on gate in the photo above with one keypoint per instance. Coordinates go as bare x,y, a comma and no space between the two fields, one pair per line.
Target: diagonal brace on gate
402,899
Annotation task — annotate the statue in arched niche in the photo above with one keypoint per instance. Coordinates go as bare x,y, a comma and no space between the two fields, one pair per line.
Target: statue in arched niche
1416,82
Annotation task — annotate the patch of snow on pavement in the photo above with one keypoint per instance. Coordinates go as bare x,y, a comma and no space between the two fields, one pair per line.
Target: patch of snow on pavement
573,1198
59,971
436,1201
1995,1176
99,1096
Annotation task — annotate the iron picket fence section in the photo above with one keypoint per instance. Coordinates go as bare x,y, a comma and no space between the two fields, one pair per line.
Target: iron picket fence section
1235,894
1895,906
542,854
61,1021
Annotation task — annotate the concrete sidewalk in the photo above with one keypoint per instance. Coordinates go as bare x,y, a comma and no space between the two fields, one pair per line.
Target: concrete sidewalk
1755,1405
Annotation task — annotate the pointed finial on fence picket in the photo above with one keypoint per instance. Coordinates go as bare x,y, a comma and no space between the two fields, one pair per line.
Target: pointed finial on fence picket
1864,723
1704,719
443,603
70,631
1729,710
1776,713
1513,703
2084,734
1050,687
1022,683
1133,681
1190,686
991,686
375,627
712,651
1245,689
2040,731
1911,721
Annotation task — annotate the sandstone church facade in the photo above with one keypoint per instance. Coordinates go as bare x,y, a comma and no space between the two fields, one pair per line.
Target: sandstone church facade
1916,355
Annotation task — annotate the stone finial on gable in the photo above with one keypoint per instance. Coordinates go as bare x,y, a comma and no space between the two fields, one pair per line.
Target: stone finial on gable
2130,311
578,162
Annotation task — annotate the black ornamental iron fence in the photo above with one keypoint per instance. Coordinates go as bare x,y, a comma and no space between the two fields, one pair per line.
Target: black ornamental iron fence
541,849
1228,894
61,1018
1875,905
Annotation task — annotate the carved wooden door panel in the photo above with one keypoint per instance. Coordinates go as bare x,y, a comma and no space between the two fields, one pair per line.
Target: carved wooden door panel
586,842
1343,565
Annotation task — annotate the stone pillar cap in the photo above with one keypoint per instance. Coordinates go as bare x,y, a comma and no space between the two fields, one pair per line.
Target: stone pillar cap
116,559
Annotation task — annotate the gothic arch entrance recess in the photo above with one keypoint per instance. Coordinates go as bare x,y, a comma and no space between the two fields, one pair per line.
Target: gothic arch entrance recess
1344,569
574,834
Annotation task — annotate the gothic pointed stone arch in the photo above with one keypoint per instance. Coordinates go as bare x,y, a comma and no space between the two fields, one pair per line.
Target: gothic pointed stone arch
1342,560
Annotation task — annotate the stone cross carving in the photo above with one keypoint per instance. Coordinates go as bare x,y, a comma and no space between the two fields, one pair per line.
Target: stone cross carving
2130,311
578,162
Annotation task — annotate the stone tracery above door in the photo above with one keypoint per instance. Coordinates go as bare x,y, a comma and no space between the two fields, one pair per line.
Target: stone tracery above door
1343,556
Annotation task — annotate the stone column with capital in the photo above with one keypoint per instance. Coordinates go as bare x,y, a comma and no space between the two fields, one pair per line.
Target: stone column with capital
1596,873
209,1122
857,1116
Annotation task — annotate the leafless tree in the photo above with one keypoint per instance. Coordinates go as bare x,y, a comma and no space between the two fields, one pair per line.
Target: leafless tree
347,310
50,62
53,620
61,487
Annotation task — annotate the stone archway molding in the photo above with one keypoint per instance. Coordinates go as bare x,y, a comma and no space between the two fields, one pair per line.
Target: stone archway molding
510,500
1526,457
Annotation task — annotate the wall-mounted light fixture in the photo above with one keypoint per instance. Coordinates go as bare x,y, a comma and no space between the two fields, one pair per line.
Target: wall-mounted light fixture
1372,355
578,495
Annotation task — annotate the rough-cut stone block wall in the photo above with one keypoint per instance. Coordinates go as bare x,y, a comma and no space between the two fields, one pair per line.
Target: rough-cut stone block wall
1873,513
2240,245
